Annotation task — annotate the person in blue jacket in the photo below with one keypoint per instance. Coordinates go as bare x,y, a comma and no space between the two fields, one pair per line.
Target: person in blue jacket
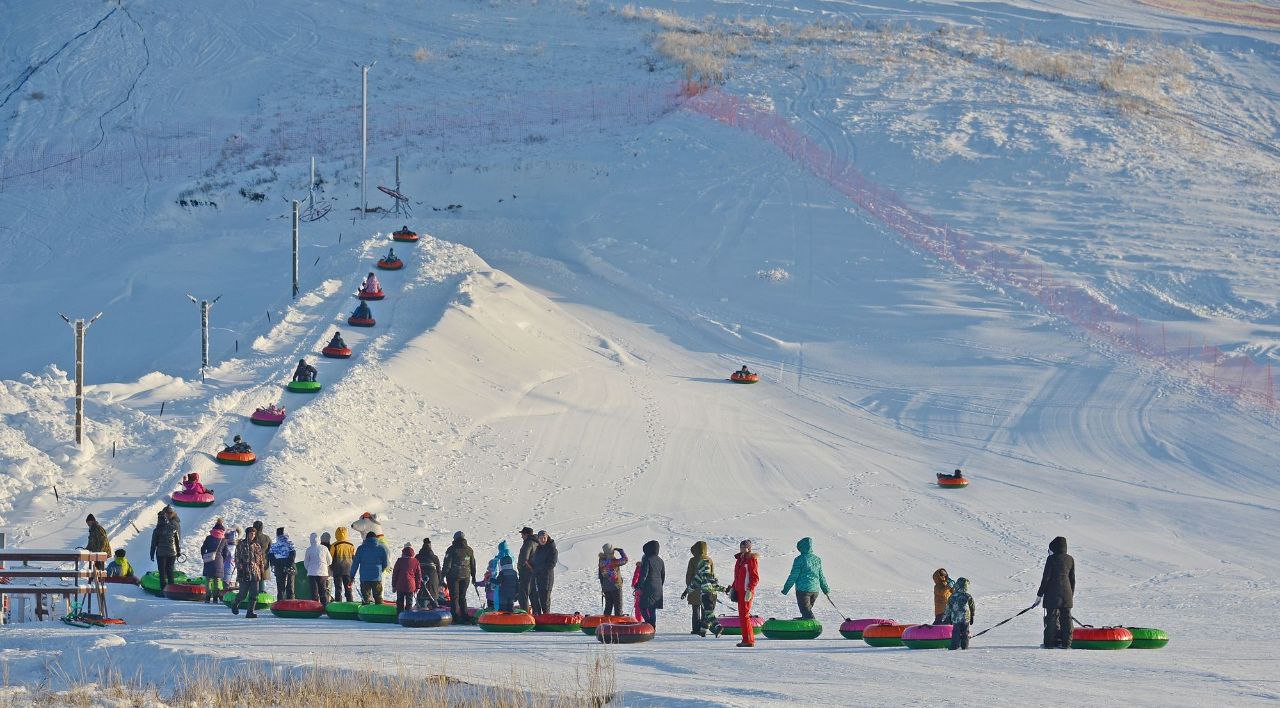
370,562
491,586
362,311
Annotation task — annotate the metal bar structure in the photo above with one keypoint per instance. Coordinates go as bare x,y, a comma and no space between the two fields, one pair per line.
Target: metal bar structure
295,249
80,326
205,305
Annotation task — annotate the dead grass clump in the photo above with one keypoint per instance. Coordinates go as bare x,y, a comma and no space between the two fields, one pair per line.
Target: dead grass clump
704,56
423,54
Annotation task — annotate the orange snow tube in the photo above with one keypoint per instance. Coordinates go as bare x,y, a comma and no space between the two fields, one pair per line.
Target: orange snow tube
404,236
739,377
949,482
227,457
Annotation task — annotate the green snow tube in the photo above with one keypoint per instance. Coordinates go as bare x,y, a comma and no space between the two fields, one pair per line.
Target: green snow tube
775,628
265,599
303,386
385,614
1147,638
150,582
1101,638
343,610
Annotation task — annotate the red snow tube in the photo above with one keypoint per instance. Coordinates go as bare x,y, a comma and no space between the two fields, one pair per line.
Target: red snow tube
405,236
591,622
337,352
227,457
557,622
949,482
121,579
385,264
366,295
739,377
185,591
624,632
1101,638
297,609
885,635
360,321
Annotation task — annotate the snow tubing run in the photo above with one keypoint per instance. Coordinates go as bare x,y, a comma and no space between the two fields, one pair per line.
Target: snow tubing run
264,599
1101,638
343,610
553,622
624,632
953,482
227,457
303,386
1147,638
262,416
791,628
739,377
385,264
505,622
885,635
297,609
425,618
151,582
733,624
192,499
852,629
385,614
927,636
336,352
189,592
591,622
361,321
404,236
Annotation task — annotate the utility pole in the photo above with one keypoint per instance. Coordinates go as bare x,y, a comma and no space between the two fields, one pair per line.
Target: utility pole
295,249
204,328
364,132
79,325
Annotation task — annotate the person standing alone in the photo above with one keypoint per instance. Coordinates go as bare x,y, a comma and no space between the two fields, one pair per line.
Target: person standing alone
1057,589
746,575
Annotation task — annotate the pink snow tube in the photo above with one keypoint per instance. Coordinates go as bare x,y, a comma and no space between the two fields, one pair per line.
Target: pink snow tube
734,622
192,498
266,416
927,636
852,628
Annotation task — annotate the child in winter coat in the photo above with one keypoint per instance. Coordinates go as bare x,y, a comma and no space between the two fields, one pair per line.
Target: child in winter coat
959,614
610,563
406,579
371,284
120,566
343,553
317,562
807,578
337,342
704,585
941,593
229,563
304,372
215,554
362,311
239,445
191,485
508,585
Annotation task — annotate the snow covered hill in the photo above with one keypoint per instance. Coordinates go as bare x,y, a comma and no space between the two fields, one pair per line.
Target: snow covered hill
600,257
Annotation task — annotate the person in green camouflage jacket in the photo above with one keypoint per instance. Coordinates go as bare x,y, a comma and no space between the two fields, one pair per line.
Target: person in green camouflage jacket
704,585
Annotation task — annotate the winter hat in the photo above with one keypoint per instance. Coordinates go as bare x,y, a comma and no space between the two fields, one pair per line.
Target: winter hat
279,530
371,535
457,536
506,563
526,531
119,553
426,542
608,549
962,585
651,548
407,551
91,519
325,539
218,525
315,538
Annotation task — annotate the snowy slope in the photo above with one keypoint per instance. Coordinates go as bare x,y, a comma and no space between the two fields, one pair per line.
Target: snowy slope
556,354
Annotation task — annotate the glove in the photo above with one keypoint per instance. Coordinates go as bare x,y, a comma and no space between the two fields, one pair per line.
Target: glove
784,592
684,595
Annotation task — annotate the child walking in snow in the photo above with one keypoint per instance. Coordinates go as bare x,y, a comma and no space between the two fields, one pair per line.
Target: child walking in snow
959,614
703,586
941,593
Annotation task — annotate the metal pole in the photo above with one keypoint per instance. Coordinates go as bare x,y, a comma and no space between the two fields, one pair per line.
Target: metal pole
364,135
204,334
295,248
79,381
311,186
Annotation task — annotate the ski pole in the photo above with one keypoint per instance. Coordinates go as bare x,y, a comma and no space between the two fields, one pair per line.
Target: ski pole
988,629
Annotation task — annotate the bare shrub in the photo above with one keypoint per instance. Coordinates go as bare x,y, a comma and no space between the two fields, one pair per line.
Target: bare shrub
704,57
423,54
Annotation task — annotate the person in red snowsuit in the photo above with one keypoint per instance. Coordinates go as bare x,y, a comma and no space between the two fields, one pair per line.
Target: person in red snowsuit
746,575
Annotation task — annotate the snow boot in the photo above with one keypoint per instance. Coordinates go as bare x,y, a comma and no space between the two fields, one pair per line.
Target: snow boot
251,615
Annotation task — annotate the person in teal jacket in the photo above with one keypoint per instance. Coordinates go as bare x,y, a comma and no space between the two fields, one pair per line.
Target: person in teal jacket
807,577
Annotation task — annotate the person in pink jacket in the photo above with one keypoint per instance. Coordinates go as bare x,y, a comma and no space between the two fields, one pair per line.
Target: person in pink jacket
191,484
371,284
406,579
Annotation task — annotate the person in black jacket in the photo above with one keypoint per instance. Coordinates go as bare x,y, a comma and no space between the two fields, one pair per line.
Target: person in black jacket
653,573
508,584
460,573
1057,588
524,566
429,595
544,571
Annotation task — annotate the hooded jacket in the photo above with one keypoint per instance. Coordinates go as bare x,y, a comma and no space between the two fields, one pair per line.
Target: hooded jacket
343,553
459,561
704,581
609,569
941,591
283,554
508,582
318,559
165,542
98,539
652,574
1058,583
698,552
430,564
407,576
216,550
524,563
370,561
251,564
546,557
959,605
746,575
806,570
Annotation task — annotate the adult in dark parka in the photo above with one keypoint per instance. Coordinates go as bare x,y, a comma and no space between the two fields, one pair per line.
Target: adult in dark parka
653,573
524,566
1057,589
545,559
429,596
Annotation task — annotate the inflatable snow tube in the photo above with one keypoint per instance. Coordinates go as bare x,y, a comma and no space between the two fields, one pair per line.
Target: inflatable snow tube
505,622
121,580
303,386
624,632
404,236
264,599
739,377
425,618
1101,638
474,613
949,482
384,614
384,264
191,499
1148,638
885,635
336,352
189,592
733,624
776,628
227,457
852,628
927,636
556,622
343,610
591,622
297,609
361,321
150,582
262,416
366,295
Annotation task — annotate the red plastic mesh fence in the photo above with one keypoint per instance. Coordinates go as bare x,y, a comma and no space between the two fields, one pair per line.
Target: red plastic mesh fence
1235,375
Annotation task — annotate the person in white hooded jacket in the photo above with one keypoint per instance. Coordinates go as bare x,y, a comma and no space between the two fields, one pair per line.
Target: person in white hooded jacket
317,562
